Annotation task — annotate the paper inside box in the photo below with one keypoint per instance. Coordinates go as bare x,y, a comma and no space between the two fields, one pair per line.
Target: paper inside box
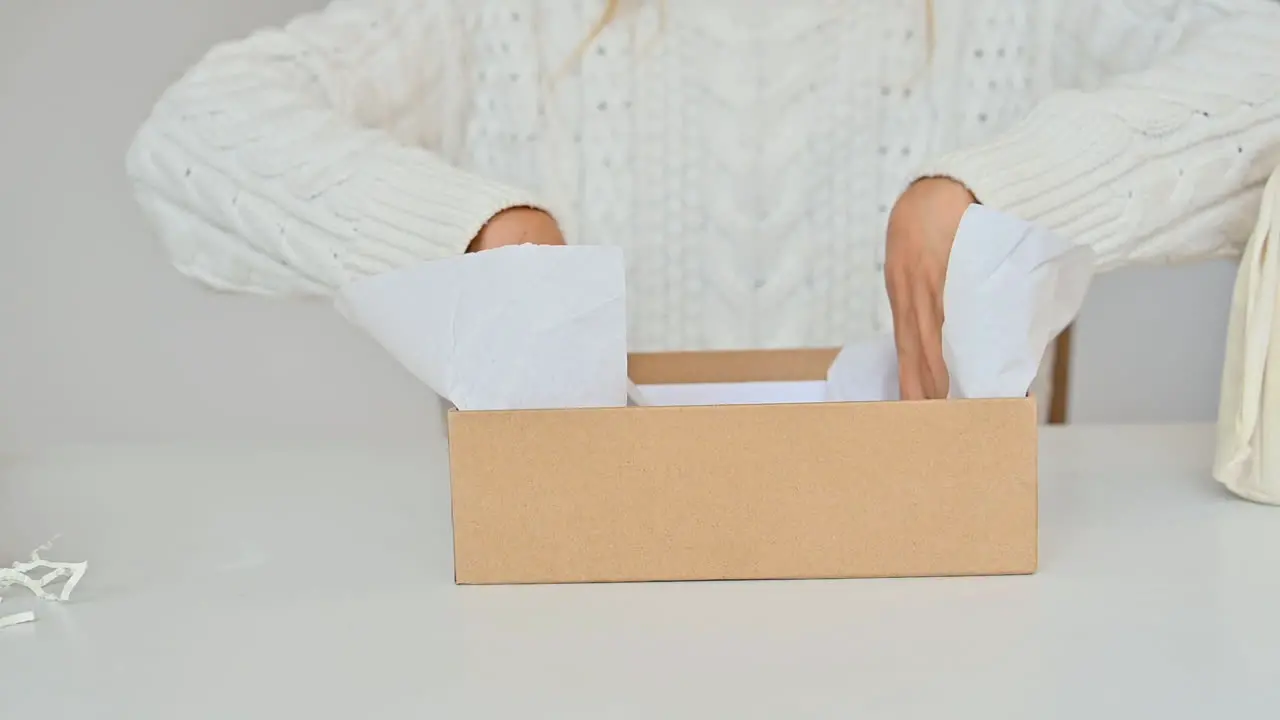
733,491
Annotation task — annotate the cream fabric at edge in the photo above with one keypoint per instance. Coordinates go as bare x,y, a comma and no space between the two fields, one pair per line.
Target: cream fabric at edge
1248,425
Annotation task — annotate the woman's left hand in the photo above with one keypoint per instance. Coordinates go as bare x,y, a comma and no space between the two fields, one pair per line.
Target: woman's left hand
922,228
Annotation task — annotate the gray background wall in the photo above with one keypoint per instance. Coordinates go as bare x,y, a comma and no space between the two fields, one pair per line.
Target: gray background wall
100,341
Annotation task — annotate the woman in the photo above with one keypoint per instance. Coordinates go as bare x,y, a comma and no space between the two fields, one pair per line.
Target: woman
750,157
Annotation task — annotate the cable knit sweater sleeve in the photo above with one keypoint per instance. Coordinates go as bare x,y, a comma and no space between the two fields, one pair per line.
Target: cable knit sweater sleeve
274,167
1160,164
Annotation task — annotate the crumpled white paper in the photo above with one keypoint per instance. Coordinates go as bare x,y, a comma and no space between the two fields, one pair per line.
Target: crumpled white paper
864,372
531,326
515,328
20,573
1011,288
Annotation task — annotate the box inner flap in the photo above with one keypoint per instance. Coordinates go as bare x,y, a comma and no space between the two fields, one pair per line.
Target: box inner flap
730,366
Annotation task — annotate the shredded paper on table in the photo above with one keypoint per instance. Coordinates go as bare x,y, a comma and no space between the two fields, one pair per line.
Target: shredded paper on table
38,575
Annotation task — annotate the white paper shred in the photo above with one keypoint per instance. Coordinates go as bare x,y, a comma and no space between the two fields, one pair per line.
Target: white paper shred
27,574
16,619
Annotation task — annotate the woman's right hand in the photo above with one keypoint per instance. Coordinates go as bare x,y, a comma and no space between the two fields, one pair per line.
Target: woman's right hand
518,226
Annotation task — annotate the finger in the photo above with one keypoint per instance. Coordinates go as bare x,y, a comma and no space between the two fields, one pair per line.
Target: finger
911,373
929,333
911,380
903,326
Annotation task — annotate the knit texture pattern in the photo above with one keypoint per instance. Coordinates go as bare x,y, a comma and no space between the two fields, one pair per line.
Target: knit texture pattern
744,155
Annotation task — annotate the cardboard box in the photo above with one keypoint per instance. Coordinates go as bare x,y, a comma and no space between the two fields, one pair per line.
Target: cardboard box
818,490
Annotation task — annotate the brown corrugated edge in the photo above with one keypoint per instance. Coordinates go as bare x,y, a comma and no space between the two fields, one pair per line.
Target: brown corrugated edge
451,413
1061,388
1035,480
730,366
1035,477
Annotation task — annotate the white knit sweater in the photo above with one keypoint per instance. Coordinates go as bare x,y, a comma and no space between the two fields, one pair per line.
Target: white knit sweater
744,154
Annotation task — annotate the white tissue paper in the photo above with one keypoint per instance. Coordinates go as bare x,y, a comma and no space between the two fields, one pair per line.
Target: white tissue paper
1011,288
531,327
864,372
515,328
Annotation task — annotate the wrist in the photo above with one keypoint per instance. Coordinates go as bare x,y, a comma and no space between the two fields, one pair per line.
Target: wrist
932,204
942,191
517,226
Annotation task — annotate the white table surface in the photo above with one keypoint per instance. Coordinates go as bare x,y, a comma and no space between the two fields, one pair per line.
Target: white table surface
316,583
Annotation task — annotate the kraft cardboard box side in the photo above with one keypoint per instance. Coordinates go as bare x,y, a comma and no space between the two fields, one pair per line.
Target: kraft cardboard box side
823,490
